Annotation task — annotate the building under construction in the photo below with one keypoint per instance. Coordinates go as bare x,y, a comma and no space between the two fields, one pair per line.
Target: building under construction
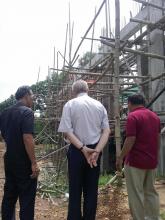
132,59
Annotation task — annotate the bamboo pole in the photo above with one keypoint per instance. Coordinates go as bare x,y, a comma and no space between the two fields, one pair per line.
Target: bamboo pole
69,36
116,79
57,62
93,32
100,74
116,177
54,152
63,59
66,36
106,19
114,83
105,71
109,19
149,92
141,21
147,81
149,4
155,98
126,49
54,58
36,92
98,12
71,41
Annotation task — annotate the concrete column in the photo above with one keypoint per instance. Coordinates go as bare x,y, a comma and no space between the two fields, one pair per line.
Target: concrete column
156,66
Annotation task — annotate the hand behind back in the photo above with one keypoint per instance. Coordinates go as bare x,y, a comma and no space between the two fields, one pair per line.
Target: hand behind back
91,156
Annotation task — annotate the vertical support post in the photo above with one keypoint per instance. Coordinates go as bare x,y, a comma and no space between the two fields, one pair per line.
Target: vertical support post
65,45
57,62
69,37
106,18
54,59
150,95
93,32
116,78
109,20
36,92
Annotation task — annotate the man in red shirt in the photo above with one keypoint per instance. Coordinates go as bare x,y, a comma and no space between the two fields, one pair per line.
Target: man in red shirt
141,151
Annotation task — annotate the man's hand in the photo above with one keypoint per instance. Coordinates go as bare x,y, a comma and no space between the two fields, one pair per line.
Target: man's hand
87,154
119,162
128,144
35,170
94,157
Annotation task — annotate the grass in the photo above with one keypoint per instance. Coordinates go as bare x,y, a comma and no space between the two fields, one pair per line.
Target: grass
104,179
159,177
162,215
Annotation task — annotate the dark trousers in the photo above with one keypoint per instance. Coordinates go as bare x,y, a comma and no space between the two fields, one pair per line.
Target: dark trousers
82,179
18,184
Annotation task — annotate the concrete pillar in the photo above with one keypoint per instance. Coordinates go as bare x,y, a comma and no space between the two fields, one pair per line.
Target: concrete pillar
156,66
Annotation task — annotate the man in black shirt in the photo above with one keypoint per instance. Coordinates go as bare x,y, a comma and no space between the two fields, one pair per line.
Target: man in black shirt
21,170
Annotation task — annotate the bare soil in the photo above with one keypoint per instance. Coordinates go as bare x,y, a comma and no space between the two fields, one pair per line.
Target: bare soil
112,202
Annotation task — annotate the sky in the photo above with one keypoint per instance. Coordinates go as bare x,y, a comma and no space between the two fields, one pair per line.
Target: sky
30,29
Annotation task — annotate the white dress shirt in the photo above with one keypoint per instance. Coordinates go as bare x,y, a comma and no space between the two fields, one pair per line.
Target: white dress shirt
85,117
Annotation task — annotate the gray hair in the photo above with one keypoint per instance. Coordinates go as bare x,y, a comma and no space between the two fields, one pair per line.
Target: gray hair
79,86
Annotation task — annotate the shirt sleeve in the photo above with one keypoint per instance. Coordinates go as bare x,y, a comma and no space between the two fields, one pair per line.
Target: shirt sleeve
66,123
131,126
28,122
105,122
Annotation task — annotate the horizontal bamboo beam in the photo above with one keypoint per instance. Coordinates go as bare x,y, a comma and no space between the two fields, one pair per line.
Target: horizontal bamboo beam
101,90
110,83
85,69
149,4
146,81
141,21
153,78
126,49
54,152
100,74
152,55
129,42
109,75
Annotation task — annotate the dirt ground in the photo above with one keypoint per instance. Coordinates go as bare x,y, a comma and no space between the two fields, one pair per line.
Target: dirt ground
112,202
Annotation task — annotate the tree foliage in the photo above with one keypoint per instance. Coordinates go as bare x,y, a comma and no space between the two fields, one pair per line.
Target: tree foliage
7,103
40,89
49,85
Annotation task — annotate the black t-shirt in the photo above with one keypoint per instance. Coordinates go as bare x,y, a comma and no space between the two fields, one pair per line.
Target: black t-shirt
14,122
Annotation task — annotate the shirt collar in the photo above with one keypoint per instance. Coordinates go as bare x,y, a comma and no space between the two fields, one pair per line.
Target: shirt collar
19,103
82,94
138,108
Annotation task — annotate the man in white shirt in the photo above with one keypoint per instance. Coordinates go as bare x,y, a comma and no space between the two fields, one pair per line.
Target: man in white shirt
85,123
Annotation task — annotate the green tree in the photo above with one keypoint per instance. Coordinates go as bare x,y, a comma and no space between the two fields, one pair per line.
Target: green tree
40,89
7,103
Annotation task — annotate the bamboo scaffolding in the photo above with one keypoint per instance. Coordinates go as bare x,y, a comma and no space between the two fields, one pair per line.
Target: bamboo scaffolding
93,32
149,4
100,74
65,45
112,73
93,21
141,21
126,49
116,79
148,81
